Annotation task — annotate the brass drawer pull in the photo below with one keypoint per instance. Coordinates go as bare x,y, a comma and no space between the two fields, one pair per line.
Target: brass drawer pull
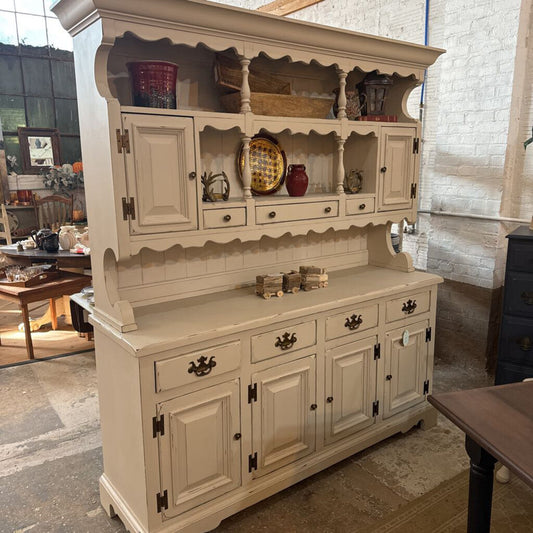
353,322
362,206
409,307
527,297
287,342
203,367
272,214
227,218
524,343
327,210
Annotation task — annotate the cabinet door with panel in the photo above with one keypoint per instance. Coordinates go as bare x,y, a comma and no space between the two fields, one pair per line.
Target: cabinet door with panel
160,172
398,158
406,367
350,388
284,414
200,447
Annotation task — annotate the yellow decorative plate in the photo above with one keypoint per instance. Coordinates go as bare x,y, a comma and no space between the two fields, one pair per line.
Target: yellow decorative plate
268,164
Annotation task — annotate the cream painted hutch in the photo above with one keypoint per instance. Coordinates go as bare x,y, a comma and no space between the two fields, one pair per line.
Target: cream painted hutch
212,398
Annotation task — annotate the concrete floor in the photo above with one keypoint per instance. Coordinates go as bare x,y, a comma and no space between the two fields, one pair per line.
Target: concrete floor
50,461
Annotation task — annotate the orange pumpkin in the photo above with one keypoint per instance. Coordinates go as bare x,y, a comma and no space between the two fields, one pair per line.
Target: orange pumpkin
77,167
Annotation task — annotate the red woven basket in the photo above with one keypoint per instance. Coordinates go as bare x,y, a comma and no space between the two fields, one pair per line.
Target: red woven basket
154,83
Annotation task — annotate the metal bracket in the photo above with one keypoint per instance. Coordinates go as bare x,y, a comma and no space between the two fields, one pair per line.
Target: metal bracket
123,141
252,393
158,426
128,208
377,351
252,462
162,501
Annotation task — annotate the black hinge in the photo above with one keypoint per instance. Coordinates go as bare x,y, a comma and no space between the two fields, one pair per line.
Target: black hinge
252,393
158,426
128,208
426,386
416,144
377,350
123,141
413,190
252,462
162,501
375,408
428,334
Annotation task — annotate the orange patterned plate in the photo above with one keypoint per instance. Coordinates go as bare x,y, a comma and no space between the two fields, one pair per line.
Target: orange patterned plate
268,164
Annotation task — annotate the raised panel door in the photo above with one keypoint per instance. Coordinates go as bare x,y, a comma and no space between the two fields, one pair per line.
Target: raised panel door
350,388
406,357
199,455
397,172
283,417
158,168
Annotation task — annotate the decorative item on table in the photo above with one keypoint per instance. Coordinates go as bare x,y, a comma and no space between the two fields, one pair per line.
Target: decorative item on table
268,164
24,197
297,180
19,276
355,104
65,178
313,277
154,83
292,281
268,285
353,181
67,237
375,87
28,244
395,240
378,118
46,239
215,187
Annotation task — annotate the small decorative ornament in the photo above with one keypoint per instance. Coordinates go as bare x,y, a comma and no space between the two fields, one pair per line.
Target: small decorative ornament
375,88
297,180
405,338
210,183
353,182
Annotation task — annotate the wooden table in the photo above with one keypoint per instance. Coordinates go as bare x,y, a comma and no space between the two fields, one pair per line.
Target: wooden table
498,423
67,283
63,258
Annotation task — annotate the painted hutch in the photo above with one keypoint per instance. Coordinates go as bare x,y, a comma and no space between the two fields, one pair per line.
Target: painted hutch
212,398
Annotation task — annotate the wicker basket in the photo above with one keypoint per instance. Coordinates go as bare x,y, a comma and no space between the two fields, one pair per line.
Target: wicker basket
228,76
281,105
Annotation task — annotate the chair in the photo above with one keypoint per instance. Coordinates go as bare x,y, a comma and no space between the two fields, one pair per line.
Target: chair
4,221
53,211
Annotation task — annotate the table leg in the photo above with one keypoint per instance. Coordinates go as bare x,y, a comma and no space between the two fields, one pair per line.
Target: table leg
480,487
53,314
27,330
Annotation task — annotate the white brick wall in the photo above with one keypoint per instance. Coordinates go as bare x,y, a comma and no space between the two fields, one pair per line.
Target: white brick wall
477,114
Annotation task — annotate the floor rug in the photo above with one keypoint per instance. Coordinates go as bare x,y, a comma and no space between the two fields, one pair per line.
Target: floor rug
444,510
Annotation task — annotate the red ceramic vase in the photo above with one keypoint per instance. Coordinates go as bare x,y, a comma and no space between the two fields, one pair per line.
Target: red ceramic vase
297,180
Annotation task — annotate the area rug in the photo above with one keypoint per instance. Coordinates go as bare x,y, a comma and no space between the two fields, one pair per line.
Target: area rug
444,510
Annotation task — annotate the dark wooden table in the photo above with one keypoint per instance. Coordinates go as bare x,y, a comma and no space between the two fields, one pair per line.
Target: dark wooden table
63,258
498,423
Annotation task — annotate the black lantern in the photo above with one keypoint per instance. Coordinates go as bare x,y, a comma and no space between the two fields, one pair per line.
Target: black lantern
374,88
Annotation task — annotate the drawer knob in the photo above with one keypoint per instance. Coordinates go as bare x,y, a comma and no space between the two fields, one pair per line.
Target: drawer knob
383,170
203,367
524,343
237,436
192,175
227,218
353,322
272,214
327,209
313,406
287,342
409,307
329,399
388,377
527,297
362,206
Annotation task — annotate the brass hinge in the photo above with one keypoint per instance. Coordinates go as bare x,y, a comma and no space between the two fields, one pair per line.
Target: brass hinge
123,141
162,501
377,351
375,408
252,462
428,334
426,386
416,145
252,393
128,208
158,426
413,190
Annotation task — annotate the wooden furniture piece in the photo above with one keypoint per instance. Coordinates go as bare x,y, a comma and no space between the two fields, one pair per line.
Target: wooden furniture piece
62,258
515,348
211,397
53,211
498,422
4,221
68,283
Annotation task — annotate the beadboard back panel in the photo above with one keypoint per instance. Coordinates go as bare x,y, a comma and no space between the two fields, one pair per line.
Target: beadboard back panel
180,273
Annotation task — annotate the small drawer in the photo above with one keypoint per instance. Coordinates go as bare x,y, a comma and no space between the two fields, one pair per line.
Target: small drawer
270,214
194,367
407,306
224,218
516,341
283,340
353,320
519,294
520,256
359,206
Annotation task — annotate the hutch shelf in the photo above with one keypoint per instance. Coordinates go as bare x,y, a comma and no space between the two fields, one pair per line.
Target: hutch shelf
212,398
